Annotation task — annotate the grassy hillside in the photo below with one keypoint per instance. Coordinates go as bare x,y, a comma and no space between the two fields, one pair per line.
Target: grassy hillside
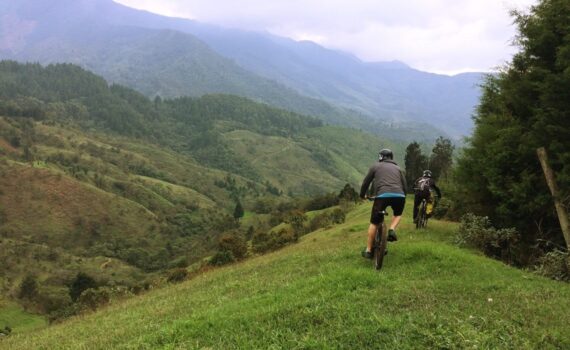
90,172
320,293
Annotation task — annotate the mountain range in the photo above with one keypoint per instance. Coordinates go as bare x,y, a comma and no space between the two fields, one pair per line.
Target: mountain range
170,57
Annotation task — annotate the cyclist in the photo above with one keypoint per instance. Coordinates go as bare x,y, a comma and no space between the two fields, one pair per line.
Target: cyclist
389,191
423,188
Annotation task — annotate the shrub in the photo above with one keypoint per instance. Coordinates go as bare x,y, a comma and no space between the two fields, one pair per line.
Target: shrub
94,298
179,262
235,243
28,288
477,231
222,258
81,283
264,242
442,208
63,313
555,265
335,216
177,275
296,219
322,202
6,331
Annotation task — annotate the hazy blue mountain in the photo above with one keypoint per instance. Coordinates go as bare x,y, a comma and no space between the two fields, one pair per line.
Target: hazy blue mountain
154,61
385,90
150,53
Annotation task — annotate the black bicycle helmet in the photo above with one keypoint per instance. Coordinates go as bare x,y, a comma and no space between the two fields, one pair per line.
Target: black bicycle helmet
385,154
427,173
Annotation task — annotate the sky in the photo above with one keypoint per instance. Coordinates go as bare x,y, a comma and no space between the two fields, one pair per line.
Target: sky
440,36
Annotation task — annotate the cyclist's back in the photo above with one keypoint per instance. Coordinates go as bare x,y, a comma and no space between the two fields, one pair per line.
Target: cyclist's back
423,188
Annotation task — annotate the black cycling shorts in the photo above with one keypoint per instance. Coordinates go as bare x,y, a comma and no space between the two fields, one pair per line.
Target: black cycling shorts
380,204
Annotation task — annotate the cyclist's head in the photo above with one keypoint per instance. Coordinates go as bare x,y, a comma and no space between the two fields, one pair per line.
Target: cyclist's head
385,154
427,173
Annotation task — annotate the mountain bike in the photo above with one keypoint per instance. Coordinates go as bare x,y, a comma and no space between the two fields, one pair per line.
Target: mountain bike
380,243
422,219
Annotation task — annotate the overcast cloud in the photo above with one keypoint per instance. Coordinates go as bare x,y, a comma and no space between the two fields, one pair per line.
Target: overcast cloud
444,36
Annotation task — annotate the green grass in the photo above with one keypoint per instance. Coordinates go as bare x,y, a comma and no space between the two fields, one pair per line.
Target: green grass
15,317
320,294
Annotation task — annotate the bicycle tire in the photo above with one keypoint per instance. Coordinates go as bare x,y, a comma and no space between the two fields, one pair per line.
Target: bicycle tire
419,217
380,244
421,220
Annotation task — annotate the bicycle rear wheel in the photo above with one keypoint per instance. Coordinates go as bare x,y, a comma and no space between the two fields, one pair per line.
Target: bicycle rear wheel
380,244
421,215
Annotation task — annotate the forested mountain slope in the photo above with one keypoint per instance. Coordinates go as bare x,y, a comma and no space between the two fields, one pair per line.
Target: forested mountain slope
90,172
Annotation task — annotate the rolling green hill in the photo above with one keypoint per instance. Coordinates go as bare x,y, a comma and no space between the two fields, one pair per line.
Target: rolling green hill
91,172
320,293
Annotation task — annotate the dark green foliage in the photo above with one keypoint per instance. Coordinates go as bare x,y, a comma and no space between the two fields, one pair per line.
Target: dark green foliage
348,194
238,211
524,107
94,298
476,231
265,242
235,243
177,275
296,218
222,257
80,283
28,288
555,264
441,159
415,163
6,331
326,219
324,201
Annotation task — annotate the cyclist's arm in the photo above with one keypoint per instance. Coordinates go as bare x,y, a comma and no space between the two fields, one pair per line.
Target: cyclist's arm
437,191
366,182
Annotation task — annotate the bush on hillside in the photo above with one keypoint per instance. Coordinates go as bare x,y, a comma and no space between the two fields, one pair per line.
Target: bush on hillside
6,331
235,243
81,283
477,231
177,275
326,219
442,208
222,257
265,242
92,298
348,194
297,219
555,265
28,288
322,202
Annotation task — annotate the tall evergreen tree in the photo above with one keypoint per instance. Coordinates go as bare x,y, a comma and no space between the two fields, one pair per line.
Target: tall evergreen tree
441,158
415,163
238,211
524,107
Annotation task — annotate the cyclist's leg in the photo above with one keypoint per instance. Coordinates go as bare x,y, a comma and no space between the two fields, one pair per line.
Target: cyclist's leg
417,201
371,232
375,219
397,205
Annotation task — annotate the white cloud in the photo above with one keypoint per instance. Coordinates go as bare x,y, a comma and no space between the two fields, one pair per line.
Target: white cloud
446,36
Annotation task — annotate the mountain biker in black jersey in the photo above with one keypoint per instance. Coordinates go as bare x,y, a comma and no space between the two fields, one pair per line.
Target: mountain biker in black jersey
423,187
389,190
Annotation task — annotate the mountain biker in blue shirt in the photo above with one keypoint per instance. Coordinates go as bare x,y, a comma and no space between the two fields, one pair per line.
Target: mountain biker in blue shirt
422,190
389,191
